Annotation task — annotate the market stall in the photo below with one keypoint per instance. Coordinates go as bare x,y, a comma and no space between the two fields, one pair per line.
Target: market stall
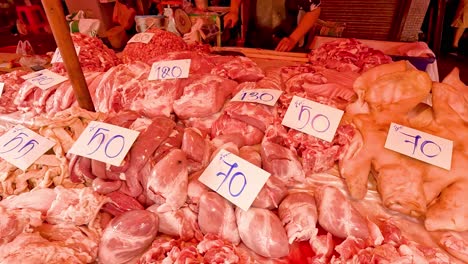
196,154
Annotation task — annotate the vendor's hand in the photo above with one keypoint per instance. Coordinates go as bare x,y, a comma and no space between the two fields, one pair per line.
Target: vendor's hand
286,44
230,19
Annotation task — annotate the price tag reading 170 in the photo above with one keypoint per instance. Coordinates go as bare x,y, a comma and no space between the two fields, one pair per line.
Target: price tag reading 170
104,142
44,79
21,146
234,178
419,145
260,96
166,70
312,118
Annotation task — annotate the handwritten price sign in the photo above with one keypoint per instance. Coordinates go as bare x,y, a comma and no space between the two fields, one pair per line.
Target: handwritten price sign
142,37
21,146
1,88
419,145
312,118
44,79
104,142
166,70
234,178
260,96
58,56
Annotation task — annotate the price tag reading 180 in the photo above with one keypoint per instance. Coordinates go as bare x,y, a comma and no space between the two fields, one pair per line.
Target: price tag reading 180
234,178
58,56
104,142
261,96
166,70
21,146
44,79
419,145
312,118
142,38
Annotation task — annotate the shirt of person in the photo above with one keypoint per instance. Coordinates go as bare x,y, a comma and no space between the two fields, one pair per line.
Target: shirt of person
272,20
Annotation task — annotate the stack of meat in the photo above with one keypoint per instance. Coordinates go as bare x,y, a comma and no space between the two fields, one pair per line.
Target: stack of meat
153,209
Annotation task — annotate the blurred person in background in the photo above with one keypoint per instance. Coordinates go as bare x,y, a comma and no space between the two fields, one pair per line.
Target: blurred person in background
460,23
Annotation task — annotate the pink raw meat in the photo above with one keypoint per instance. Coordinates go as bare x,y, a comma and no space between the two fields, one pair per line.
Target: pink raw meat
282,163
16,221
271,194
241,69
216,250
127,236
196,148
203,124
216,216
39,200
195,190
121,203
338,216
203,97
167,184
258,115
323,247
262,232
226,125
251,154
298,213
12,83
180,223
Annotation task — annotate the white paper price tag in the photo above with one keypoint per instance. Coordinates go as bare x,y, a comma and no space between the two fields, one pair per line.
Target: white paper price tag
419,145
58,56
312,118
104,142
174,69
1,88
260,96
234,178
21,146
44,79
142,37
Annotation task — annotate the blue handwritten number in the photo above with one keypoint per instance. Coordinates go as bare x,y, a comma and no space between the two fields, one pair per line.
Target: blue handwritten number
304,108
313,121
264,94
31,143
110,140
178,69
18,137
430,142
425,142
416,141
96,134
226,176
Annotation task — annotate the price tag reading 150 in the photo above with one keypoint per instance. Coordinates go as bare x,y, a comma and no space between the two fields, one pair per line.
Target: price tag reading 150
21,146
312,118
104,142
234,178
166,70
419,145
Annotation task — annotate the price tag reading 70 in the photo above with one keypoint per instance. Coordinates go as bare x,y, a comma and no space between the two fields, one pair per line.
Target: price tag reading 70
104,142
234,178
419,145
21,146
312,118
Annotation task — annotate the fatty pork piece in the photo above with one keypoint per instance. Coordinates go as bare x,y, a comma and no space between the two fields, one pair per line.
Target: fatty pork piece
240,69
128,236
216,216
337,216
16,221
197,149
298,213
167,183
226,125
258,115
180,223
261,231
204,96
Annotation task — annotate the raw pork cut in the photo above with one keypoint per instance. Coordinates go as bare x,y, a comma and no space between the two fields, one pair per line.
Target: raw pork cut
240,69
282,162
337,216
127,236
167,184
161,43
226,126
262,232
258,115
12,82
180,223
298,213
216,216
94,56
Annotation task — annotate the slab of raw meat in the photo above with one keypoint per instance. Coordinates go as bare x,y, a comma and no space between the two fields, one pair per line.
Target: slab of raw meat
161,43
282,162
12,82
271,194
298,213
167,184
181,223
337,216
216,216
258,115
16,221
204,96
94,56
262,232
226,125
240,69
127,236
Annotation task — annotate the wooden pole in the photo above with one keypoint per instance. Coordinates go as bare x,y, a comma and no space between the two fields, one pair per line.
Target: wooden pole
61,31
